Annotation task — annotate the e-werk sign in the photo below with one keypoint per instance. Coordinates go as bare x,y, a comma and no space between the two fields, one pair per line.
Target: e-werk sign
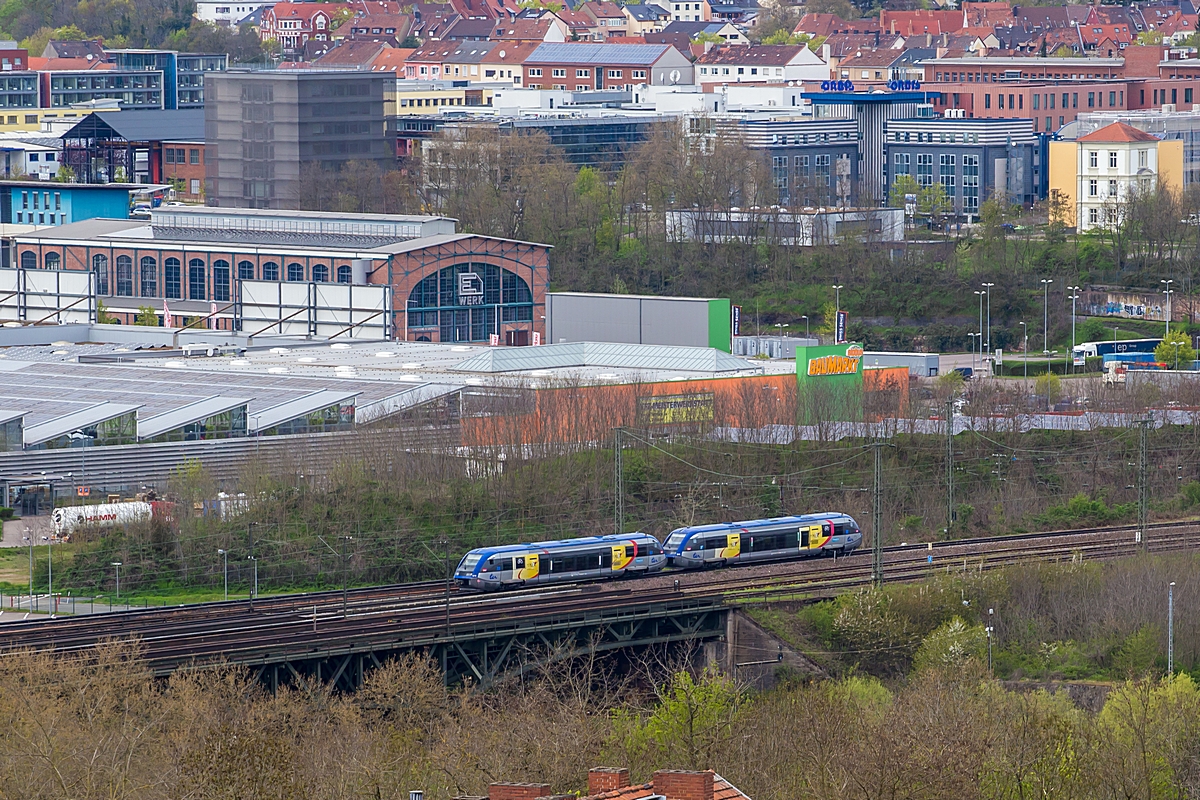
837,365
470,289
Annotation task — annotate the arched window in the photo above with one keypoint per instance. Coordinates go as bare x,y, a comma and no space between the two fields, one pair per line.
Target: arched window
345,274
53,260
320,273
221,280
270,271
149,276
469,316
100,267
295,272
124,276
245,270
172,279
197,280
29,260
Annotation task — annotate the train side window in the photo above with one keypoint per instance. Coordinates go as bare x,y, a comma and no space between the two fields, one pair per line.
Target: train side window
606,559
840,529
629,550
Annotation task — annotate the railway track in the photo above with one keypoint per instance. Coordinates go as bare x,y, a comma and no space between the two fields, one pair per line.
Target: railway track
409,615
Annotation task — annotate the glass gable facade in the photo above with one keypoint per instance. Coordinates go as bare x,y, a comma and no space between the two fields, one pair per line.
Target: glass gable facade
337,417
461,302
224,425
118,430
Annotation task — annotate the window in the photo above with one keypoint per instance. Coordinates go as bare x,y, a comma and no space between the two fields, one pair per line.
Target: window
639,73
344,274
100,267
1093,158
1094,216
149,276
172,289
169,155
583,73
987,101
124,276
946,176
614,73
970,181
1112,160
925,169
195,184
29,260
295,272
1143,156
221,280
245,270
558,73
1112,188
197,280
270,271
1093,188
535,72
53,260
320,273
901,164
1091,100
1112,99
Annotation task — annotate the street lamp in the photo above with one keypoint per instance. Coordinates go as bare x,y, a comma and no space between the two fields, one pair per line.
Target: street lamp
117,564
1074,297
1025,346
974,341
1171,628
988,339
1176,354
979,341
50,571
781,326
29,538
837,296
225,555
1046,315
1167,292
805,318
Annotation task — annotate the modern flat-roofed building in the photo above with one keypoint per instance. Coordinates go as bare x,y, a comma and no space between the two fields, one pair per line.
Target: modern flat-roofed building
971,159
264,129
134,89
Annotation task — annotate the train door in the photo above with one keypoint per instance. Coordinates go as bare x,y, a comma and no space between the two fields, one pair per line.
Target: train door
804,537
733,546
619,559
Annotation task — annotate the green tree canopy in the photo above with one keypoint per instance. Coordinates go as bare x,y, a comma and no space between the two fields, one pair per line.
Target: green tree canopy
1176,350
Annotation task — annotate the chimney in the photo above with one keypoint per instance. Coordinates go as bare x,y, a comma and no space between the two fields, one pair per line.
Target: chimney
520,791
676,784
607,779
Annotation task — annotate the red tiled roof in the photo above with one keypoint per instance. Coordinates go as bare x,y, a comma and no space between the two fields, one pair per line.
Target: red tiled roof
1118,132
769,55
722,790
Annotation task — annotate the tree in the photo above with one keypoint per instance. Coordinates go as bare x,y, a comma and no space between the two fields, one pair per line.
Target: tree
64,174
843,8
242,44
692,722
147,317
902,187
37,41
1048,385
1176,350
102,315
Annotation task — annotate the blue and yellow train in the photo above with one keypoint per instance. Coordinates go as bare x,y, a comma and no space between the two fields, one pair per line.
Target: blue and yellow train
631,554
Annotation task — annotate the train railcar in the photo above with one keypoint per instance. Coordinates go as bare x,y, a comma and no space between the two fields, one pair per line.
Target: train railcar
560,561
762,540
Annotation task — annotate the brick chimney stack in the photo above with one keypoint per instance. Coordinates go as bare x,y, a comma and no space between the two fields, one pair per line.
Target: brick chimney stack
607,779
522,791
675,784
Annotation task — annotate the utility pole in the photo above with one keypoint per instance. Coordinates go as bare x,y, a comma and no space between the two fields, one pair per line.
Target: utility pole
949,466
877,515
345,590
1171,628
990,628
1143,480
618,484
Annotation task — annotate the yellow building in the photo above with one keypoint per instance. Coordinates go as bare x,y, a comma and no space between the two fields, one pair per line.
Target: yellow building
1096,175
27,120
425,98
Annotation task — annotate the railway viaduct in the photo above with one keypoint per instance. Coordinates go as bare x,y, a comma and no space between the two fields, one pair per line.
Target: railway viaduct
333,639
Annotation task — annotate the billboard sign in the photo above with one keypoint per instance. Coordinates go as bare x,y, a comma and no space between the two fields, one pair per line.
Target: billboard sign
846,362
676,409
843,319
737,320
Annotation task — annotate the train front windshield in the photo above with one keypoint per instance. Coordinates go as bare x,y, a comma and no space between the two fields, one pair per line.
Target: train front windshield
673,541
468,564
